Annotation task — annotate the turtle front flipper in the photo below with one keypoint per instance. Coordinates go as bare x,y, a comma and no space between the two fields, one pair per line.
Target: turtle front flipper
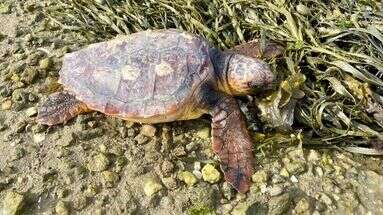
59,108
232,143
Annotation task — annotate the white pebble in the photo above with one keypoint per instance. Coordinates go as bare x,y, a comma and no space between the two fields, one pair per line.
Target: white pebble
197,166
39,137
263,188
294,179
197,174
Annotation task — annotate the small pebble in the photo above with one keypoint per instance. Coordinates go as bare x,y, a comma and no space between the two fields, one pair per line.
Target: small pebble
34,57
98,163
46,63
197,165
313,156
260,177
123,131
141,139
148,130
295,168
336,197
80,202
179,151
67,139
276,190
15,78
276,178
92,124
62,193
167,168
38,128
61,208
203,133
319,171
188,177
109,178
227,190
240,209
29,76
192,146
284,173
302,206
170,183
197,174
32,111
38,137
167,201
294,179
6,105
12,203
151,186
91,191
326,199
210,174
280,204
263,188
102,148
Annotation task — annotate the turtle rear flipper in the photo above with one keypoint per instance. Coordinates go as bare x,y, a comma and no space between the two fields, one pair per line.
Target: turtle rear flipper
232,143
59,108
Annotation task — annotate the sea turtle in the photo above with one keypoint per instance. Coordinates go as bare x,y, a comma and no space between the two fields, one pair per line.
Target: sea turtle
157,76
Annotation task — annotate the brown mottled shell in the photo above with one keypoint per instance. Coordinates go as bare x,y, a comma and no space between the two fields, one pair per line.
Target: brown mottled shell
146,75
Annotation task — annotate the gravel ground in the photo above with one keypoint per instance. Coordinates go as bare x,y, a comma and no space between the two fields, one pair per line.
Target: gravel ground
101,165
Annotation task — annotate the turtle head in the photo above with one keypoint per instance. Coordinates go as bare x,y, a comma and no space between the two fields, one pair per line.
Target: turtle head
246,75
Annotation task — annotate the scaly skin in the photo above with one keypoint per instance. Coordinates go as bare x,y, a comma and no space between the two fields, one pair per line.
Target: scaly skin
230,138
59,108
208,87
232,143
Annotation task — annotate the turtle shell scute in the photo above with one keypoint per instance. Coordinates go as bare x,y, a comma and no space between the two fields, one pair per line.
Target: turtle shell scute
145,74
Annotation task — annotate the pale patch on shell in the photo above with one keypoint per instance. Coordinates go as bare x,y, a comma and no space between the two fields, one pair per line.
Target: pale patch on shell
150,33
108,79
163,69
130,73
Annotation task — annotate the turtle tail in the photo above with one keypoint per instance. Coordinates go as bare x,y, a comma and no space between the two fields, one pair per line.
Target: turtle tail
59,108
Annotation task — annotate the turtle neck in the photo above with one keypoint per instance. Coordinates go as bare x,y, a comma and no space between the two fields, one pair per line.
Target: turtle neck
220,61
